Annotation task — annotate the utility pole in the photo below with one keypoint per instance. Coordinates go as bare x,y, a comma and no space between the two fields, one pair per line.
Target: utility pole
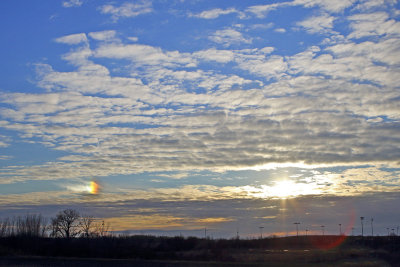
261,231
297,227
205,232
372,226
340,229
362,225
261,227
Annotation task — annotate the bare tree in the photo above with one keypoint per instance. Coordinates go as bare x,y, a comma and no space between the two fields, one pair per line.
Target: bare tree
30,225
87,226
102,229
4,227
65,224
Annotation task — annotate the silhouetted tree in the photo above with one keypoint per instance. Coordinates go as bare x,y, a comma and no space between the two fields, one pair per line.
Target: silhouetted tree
65,224
30,225
4,227
102,229
87,226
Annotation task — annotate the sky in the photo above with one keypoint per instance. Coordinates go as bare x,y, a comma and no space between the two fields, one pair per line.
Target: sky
171,117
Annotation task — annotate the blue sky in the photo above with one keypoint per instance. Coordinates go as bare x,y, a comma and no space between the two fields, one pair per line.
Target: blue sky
229,115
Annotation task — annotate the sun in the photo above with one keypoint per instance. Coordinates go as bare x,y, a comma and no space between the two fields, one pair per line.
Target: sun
284,189
288,188
93,188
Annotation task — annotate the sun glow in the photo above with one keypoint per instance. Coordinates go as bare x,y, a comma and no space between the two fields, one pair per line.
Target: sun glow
284,189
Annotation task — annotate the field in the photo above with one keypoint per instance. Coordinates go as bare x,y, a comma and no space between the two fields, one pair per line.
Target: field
179,251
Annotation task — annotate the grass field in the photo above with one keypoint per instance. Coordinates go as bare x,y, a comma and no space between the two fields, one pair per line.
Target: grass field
178,251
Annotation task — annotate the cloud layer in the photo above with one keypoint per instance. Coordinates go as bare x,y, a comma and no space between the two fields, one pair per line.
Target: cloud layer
232,97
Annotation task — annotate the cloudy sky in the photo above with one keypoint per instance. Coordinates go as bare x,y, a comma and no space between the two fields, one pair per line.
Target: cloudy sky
226,115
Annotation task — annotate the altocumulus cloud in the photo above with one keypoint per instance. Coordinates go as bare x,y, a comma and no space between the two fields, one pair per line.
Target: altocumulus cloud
232,102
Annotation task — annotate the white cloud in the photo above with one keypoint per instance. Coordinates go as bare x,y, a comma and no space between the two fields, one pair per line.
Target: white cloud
261,11
221,56
103,35
72,39
228,37
4,142
72,3
368,5
280,30
215,13
318,24
144,54
373,24
127,10
327,5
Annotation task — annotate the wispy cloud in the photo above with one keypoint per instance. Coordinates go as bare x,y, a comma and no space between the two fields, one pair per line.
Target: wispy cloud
327,5
261,11
228,37
72,39
215,13
127,9
72,3
318,24
374,24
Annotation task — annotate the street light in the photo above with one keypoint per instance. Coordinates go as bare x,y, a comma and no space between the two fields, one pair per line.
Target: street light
362,226
261,231
372,226
297,227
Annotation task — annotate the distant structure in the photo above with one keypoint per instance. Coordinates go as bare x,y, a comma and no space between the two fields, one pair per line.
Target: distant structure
261,231
372,226
362,225
297,227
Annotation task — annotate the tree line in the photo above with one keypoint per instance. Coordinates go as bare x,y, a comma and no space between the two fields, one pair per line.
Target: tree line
67,223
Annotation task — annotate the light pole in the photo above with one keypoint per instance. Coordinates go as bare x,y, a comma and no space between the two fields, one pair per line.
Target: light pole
372,226
297,227
261,231
352,231
362,226
323,229
340,229
306,231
